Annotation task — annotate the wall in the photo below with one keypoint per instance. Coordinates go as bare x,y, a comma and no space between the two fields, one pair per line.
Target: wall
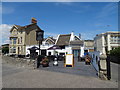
30,36
98,44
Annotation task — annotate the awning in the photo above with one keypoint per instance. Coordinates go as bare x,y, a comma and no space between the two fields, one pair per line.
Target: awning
54,47
33,48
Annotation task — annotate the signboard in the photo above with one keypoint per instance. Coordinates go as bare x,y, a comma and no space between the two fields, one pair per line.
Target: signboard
69,60
39,35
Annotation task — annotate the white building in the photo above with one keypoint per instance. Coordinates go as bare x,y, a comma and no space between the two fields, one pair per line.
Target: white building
46,43
68,43
105,42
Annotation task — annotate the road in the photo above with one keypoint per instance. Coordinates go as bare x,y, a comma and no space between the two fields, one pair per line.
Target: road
21,77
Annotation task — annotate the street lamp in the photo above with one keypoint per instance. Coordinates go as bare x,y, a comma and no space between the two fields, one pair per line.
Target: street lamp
39,37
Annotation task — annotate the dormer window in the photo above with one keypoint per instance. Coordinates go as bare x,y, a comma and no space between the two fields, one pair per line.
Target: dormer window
46,43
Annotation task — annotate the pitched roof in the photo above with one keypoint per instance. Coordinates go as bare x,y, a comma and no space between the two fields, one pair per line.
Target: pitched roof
30,26
18,26
52,39
78,42
63,39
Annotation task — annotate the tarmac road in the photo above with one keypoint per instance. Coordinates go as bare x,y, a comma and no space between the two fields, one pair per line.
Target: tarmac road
21,77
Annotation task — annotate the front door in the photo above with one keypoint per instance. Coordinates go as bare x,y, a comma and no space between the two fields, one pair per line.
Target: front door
76,53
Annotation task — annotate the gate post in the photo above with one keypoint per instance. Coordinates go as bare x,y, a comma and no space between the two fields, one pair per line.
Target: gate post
102,64
108,67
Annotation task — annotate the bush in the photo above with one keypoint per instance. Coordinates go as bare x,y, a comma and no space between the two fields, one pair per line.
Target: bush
115,55
115,52
5,50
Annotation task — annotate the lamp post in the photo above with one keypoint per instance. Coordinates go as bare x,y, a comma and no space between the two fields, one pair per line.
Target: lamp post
39,37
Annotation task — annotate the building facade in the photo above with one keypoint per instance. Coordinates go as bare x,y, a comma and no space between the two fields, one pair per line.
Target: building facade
106,41
70,44
89,45
46,43
22,37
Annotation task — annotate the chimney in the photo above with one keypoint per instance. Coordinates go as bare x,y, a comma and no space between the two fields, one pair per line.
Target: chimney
79,35
72,36
33,20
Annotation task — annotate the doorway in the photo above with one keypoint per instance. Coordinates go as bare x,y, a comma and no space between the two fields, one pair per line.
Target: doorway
18,50
43,52
76,53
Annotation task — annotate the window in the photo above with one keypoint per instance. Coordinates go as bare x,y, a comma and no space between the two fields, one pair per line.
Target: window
14,40
21,40
18,41
47,43
118,37
10,40
118,41
13,50
114,41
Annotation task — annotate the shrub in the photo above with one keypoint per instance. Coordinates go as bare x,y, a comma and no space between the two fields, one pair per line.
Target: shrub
115,52
5,50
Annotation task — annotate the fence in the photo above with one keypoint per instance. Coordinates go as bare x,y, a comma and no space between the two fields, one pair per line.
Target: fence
95,58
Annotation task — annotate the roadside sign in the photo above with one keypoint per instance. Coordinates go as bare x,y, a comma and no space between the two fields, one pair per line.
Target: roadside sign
69,62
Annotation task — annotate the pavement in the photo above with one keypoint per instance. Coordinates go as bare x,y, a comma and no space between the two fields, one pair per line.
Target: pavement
53,77
114,71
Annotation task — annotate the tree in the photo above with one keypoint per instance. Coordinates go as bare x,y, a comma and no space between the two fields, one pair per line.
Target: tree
5,50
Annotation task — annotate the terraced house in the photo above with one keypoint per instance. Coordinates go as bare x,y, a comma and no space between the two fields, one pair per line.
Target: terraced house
23,36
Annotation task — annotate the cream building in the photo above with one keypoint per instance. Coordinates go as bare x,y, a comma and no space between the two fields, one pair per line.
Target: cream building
105,42
21,37
89,45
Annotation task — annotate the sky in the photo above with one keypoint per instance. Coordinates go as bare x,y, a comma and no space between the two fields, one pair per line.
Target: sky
86,18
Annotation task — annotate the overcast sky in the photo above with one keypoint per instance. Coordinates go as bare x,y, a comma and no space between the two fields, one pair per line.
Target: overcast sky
87,18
